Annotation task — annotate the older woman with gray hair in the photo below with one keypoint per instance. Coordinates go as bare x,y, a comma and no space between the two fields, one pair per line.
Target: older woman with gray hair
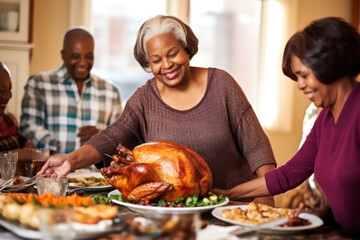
202,108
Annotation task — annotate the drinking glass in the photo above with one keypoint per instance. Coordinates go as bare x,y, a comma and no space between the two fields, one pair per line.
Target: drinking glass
48,183
39,157
23,167
8,164
55,223
182,226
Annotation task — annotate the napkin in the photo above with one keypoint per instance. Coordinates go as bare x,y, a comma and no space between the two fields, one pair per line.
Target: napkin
215,232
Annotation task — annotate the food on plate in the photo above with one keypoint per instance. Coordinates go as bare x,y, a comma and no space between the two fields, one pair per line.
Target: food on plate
296,221
87,181
101,199
11,211
48,200
25,208
255,214
94,214
29,215
159,169
4,200
18,180
192,201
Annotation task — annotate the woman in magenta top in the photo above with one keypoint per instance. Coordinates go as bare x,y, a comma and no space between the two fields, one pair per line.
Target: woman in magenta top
324,59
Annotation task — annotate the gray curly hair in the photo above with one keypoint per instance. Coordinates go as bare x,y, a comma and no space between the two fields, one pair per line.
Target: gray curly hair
159,25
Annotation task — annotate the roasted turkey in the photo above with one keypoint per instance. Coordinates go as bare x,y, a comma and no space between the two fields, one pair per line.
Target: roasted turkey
159,169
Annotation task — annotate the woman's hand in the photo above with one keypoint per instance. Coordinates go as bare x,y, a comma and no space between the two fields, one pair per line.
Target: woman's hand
304,208
62,164
57,164
252,189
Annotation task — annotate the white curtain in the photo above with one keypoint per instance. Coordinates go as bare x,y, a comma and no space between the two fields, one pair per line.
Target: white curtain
279,22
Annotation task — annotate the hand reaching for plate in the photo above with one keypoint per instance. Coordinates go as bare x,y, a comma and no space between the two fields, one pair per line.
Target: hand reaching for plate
303,208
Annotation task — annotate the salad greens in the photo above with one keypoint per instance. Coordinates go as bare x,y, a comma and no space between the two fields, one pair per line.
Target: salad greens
100,199
192,201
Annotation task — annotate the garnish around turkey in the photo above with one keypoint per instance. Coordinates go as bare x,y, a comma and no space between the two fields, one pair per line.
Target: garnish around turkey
192,201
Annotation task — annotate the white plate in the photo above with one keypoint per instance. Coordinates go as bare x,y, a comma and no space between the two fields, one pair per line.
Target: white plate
9,189
83,233
164,210
88,188
315,221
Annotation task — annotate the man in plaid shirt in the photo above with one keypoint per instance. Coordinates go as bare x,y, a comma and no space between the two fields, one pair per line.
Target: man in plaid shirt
63,108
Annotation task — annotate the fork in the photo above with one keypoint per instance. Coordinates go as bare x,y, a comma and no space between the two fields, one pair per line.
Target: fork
6,184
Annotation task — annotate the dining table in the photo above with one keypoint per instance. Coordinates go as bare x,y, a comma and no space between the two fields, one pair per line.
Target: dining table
324,232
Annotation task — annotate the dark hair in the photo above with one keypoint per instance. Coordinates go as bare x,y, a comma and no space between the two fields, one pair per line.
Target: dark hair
159,25
329,46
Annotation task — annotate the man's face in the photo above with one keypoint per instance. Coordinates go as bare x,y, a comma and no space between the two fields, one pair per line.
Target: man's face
78,57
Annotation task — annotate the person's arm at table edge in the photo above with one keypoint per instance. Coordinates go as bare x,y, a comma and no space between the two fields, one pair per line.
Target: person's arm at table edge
62,164
251,189
83,157
260,172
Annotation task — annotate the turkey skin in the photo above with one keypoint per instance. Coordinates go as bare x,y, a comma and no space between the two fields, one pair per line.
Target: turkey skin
158,169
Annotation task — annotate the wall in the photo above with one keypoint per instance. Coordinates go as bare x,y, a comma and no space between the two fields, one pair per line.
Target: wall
50,22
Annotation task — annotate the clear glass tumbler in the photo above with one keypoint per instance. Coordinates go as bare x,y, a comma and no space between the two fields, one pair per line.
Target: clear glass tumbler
48,183
182,226
8,162
39,157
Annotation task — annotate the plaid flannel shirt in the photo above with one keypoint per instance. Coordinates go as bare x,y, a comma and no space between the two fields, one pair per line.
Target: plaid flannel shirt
53,110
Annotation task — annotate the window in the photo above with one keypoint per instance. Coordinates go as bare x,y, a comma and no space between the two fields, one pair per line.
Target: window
244,37
115,24
229,38
228,32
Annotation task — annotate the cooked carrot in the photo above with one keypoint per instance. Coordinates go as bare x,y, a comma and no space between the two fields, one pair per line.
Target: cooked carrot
50,200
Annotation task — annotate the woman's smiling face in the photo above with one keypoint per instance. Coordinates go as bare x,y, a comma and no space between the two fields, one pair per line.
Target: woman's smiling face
169,61
320,94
